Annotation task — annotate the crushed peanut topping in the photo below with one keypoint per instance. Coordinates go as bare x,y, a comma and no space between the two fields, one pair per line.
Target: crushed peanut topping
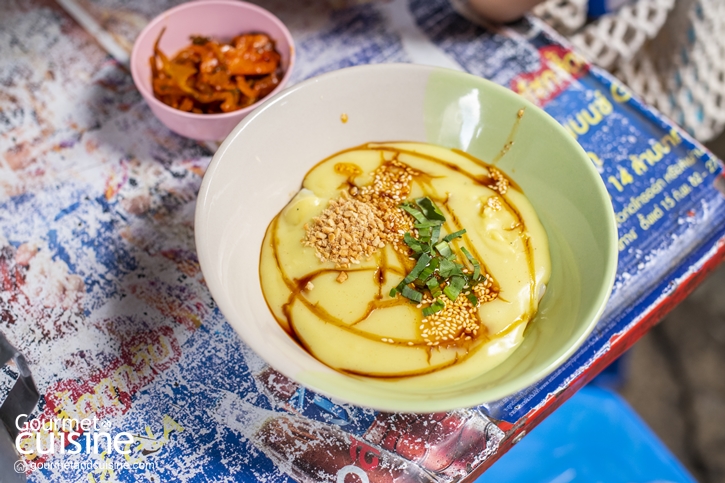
362,220
502,183
309,286
347,231
458,320
390,187
341,277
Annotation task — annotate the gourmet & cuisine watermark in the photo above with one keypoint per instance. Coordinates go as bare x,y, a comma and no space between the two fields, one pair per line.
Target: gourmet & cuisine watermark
69,436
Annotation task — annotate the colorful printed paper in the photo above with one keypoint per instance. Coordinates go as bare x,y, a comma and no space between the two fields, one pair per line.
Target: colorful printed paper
102,292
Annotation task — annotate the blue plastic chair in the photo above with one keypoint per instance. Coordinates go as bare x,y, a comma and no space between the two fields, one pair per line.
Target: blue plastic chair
594,437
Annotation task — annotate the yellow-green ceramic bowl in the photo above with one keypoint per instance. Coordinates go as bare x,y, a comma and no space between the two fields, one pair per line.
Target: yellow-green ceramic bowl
261,165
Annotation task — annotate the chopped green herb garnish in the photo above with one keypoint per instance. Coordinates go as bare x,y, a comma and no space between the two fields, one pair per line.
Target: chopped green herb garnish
435,233
447,268
434,287
419,267
474,262
454,287
430,210
424,234
436,263
444,249
429,270
427,224
454,235
436,306
411,294
414,212
413,243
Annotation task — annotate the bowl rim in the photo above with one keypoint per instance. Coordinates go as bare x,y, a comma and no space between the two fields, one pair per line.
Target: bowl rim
151,98
472,398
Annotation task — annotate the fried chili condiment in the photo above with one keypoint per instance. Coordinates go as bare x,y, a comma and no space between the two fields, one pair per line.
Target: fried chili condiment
211,77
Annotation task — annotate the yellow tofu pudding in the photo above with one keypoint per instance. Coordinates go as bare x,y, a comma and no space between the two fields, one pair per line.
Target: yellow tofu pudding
406,262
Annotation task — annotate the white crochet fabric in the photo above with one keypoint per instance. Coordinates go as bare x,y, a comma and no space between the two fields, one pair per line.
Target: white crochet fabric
671,53
566,16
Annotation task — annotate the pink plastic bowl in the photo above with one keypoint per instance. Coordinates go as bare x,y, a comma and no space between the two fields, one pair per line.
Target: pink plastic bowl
218,19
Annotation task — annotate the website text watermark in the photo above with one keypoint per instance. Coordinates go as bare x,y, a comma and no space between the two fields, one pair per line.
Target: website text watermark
61,465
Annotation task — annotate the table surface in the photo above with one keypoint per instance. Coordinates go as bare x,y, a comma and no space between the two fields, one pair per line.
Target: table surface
103,294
